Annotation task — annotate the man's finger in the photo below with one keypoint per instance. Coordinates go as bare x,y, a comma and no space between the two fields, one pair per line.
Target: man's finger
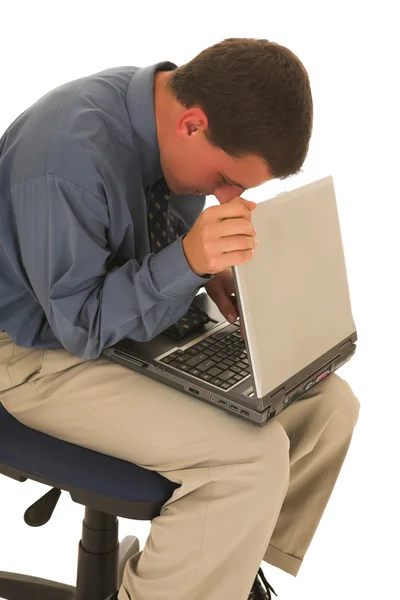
231,316
226,307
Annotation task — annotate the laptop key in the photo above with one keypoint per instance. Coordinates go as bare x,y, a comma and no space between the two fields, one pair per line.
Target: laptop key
218,358
184,367
230,362
167,359
191,351
223,366
194,371
195,360
207,364
219,346
205,376
214,371
225,375
209,352
175,363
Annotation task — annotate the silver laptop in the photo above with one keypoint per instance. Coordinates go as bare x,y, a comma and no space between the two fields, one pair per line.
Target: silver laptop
294,304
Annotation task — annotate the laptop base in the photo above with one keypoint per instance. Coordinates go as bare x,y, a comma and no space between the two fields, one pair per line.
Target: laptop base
241,410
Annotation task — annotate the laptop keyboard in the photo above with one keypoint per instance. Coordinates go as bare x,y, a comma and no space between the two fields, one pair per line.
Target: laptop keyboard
220,359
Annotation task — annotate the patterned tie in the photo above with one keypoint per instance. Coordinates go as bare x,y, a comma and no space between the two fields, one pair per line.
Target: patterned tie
163,230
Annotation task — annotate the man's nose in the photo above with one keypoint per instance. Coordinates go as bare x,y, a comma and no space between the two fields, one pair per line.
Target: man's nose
226,194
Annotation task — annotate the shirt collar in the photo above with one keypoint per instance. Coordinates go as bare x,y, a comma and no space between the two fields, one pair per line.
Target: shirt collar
140,103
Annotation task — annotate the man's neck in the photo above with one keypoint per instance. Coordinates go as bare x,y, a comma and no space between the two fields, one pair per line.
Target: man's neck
162,103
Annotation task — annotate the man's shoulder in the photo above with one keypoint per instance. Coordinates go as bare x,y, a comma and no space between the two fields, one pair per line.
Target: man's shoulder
68,130
93,119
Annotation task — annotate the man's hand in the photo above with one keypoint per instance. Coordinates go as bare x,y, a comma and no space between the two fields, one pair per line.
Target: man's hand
220,290
222,236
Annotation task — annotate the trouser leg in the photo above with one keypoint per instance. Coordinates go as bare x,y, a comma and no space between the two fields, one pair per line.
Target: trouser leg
320,429
104,406
210,537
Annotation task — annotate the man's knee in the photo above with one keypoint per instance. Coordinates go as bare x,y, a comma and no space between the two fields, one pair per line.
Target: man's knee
264,444
273,442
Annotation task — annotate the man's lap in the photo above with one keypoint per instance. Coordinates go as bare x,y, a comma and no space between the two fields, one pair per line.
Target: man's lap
112,409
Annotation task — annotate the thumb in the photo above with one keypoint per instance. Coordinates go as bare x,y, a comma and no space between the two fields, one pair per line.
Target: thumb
250,204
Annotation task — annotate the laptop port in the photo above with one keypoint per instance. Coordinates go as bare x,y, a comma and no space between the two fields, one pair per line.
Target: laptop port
222,402
193,390
244,412
233,407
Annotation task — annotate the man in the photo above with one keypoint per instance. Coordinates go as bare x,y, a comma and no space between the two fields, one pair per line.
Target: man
86,259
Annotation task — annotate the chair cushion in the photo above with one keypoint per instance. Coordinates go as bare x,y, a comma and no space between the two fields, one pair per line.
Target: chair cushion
67,465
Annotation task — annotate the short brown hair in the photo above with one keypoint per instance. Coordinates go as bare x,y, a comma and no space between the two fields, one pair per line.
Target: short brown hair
257,98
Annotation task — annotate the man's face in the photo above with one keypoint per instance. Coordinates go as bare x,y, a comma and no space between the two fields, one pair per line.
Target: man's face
191,165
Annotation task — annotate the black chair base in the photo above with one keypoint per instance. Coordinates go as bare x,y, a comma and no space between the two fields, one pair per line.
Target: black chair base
101,563
24,587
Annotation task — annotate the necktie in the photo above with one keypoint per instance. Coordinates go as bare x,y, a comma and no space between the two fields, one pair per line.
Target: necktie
163,230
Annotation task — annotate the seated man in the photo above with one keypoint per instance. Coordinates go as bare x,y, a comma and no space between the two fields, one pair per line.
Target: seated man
85,261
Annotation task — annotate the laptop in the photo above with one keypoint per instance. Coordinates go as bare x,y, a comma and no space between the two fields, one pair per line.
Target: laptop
293,302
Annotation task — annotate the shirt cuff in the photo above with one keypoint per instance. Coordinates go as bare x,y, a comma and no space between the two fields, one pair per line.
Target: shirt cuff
173,272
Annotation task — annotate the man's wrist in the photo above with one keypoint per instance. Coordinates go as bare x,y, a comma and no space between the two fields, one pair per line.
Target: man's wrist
185,252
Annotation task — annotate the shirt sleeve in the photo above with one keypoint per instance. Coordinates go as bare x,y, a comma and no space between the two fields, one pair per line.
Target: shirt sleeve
62,232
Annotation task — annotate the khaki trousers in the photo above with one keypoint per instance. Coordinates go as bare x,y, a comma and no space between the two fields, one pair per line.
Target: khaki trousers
247,493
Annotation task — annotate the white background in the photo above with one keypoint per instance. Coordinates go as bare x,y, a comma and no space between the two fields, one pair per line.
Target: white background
351,52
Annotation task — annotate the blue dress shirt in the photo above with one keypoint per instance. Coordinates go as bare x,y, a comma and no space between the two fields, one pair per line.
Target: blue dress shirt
76,268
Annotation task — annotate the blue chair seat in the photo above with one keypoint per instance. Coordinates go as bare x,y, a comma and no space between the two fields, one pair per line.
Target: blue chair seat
95,480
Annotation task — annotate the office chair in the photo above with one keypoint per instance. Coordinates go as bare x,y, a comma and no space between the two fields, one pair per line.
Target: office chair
106,486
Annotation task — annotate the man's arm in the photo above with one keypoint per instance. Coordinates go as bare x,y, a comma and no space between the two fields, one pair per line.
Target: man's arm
62,234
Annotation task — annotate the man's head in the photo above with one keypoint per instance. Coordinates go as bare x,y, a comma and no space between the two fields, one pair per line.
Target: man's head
240,112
